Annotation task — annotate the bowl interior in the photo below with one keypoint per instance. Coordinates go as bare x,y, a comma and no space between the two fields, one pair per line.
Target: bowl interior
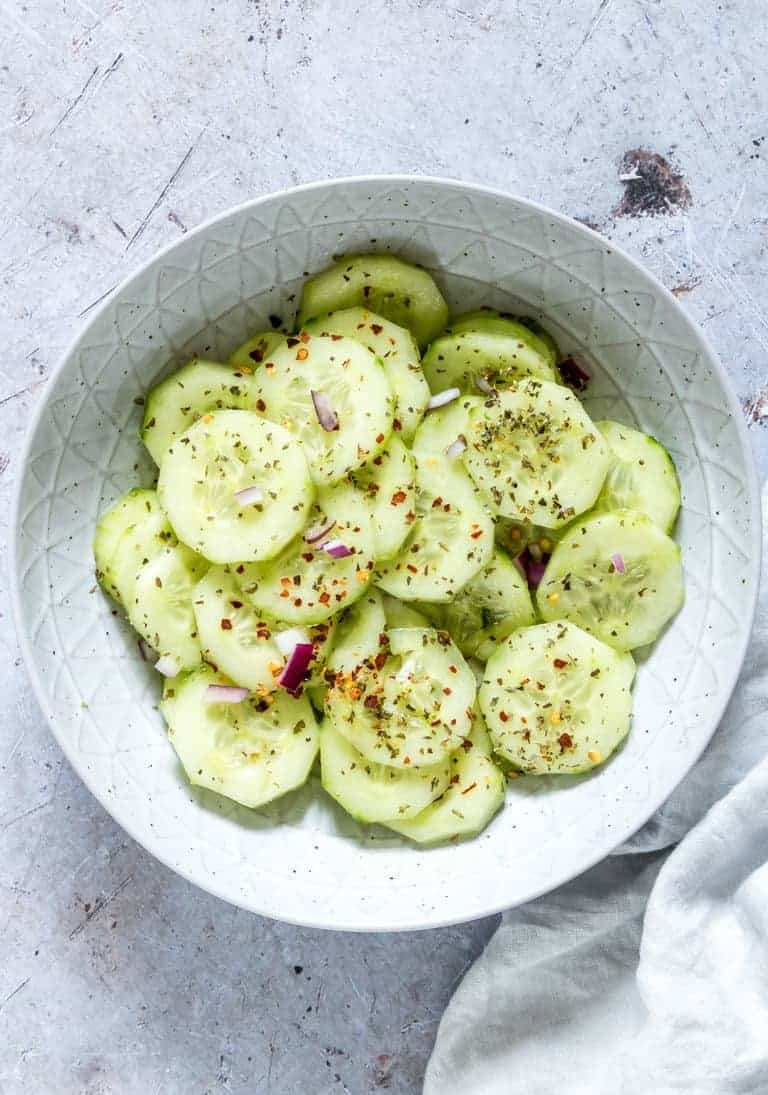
301,859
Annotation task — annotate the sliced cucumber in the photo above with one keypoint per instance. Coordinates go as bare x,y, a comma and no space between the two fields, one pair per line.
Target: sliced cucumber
373,792
617,575
305,584
487,321
441,428
388,485
399,614
397,350
140,543
400,291
220,455
536,454
256,350
471,358
475,794
490,607
242,643
642,476
252,751
351,379
192,391
556,699
134,509
161,605
410,704
361,633
451,537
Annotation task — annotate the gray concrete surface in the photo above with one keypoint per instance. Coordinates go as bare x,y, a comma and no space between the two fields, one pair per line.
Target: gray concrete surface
121,125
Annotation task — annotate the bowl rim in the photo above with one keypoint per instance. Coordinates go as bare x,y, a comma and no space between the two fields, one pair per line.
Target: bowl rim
621,834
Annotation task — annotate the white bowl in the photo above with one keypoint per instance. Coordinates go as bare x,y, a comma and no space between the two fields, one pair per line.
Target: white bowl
301,860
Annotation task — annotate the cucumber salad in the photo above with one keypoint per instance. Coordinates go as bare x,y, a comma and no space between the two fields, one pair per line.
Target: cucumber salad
395,541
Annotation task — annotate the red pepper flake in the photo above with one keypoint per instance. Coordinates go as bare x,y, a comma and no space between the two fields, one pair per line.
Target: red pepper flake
236,604
263,633
565,741
292,341
447,691
256,355
370,702
453,669
466,745
410,517
396,424
297,602
380,660
336,338
307,556
477,535
406,760
324,597
379,438
304,336
226,625
376,328
398,497
412,568
470,788
503,716
560,663
302,354
240,569
261,405
437,502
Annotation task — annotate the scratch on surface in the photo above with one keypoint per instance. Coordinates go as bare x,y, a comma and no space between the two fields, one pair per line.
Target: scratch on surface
595,22
100,904
25,813
732,216
21,391
695,112
113,67
183,163
15,992
77,99
98,300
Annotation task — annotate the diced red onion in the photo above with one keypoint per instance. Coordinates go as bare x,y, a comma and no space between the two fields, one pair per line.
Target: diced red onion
441,398
518,561
457,447
249,496
536,569
326,415
484,386
313,534
337,549
618,562
287,640
574,373
225,693
296,666
167,665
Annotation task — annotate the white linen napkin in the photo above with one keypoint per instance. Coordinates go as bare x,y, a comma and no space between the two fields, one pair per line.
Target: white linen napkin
648,975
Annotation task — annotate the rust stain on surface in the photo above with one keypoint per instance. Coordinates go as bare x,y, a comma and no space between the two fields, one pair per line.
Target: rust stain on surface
651,185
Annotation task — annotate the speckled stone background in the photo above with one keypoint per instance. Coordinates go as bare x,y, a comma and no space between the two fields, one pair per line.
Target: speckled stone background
121,125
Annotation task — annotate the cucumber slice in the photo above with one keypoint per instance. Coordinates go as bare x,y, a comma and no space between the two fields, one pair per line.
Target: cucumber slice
462,360
161,605
408,705
397,350
139,544
305,584
256,350
373,792
475,794
536,454
242,643
351,378
388,485
488,321
221,454
490,607
399,614
132,510
360,633
398,290
617,575
252,751
642,477
192,391
556,699
441,428
451,537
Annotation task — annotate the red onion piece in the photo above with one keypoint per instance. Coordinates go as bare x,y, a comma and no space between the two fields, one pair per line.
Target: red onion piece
326,415
536,572
313,534
287,640
574,373
518,561
618,562
457,447
441,398
167,665
483,386
249,496
225,693
296,666
337,549
533,568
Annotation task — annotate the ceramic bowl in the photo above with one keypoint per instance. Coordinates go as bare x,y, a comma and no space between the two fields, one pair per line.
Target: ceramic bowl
300,859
